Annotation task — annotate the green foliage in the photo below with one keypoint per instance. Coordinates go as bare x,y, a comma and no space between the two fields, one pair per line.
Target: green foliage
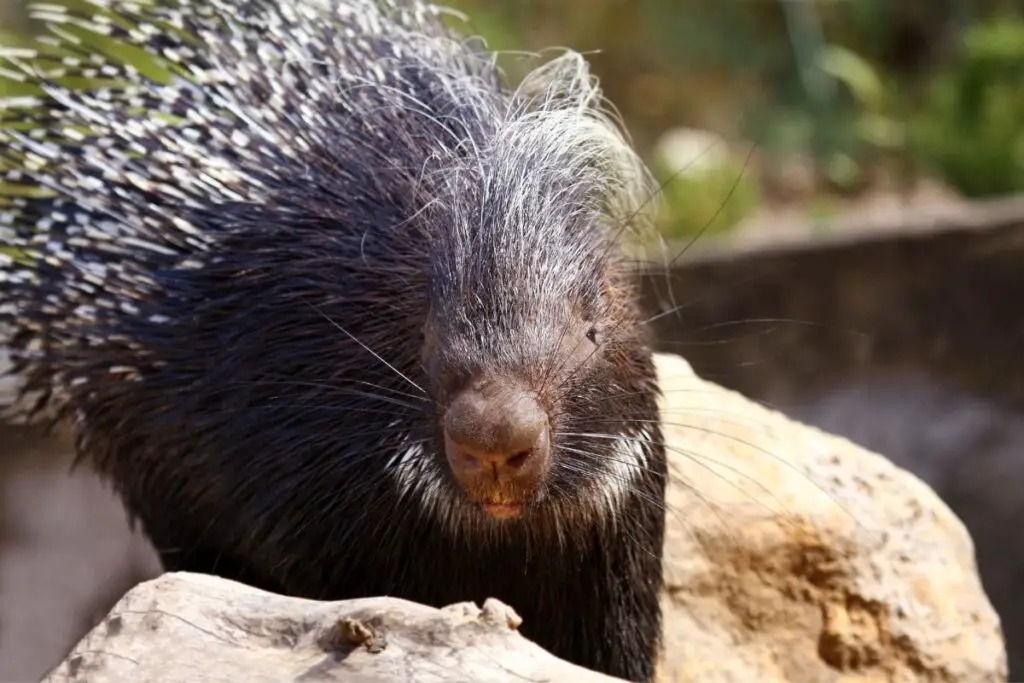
874,121
867,127
713,202
971,129
705,188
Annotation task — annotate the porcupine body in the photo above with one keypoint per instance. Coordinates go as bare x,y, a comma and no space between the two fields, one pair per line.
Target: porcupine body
340,313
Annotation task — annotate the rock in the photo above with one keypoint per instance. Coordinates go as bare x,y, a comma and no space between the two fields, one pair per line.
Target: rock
968,448
189,628
792,555
796,555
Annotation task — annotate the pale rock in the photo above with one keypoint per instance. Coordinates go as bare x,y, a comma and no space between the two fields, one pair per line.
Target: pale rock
192,628
796,555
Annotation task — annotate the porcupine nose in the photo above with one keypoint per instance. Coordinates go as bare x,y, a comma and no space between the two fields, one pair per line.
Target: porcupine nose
498,445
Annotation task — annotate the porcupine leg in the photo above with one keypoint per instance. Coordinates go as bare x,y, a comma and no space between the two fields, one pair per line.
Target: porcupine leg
630,606
606,612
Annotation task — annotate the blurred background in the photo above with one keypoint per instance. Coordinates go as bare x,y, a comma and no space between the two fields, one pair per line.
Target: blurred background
797,108
845,244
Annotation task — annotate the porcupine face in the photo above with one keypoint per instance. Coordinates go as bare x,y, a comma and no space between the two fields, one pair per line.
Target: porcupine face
545,395
534,348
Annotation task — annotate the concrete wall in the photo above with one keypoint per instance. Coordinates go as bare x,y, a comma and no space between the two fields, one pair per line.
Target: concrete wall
947,305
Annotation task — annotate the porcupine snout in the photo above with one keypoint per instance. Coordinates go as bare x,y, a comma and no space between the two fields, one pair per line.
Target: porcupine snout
498,444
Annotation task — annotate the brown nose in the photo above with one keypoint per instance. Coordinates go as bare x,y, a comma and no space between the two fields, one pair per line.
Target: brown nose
496,435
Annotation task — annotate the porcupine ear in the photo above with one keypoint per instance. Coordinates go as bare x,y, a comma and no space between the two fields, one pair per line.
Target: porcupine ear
620,182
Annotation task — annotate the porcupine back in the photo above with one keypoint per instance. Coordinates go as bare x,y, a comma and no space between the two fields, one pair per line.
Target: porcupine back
252,286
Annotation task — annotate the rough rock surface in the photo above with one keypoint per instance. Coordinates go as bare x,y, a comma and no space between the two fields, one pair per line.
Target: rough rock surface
184,628
795,555
968,448
792,555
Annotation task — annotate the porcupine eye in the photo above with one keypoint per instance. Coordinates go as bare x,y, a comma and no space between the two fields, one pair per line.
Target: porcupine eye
591,312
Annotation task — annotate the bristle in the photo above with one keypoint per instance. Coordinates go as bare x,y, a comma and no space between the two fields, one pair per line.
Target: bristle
247,264
253,115
241,98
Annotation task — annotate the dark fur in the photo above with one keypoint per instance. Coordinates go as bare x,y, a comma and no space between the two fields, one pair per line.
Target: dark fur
253,440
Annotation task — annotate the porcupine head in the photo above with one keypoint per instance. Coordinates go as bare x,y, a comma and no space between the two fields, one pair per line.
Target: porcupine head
337,254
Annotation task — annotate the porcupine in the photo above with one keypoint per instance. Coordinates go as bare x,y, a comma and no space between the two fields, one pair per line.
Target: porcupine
341,313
